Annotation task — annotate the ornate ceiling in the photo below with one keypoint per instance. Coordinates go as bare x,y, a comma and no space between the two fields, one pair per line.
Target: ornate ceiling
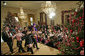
31,4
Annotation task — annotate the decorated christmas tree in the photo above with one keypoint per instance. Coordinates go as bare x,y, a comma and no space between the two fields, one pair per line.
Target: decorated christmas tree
73,42
10,20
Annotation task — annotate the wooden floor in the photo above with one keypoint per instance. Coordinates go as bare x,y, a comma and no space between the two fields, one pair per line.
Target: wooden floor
44,50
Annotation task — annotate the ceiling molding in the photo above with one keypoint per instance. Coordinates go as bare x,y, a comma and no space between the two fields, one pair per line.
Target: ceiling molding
33,5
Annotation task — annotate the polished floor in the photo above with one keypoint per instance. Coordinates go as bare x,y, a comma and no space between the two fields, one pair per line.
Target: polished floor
44,50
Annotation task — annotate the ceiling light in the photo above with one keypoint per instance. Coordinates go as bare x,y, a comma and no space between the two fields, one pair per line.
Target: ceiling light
49,8
4,3
22,15
51,15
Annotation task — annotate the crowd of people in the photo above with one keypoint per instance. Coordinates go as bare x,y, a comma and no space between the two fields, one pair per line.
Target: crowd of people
48,35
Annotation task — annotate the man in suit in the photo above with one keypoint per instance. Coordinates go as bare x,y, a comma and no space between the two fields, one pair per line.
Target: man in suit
29,42
25,32
7,37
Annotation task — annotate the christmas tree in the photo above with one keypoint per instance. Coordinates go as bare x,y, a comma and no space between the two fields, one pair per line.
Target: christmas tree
73,42
10,20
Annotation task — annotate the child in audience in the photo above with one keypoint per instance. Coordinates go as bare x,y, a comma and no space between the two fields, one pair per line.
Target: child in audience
43,37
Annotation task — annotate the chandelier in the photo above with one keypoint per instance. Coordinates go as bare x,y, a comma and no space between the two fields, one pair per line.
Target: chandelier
21,15
49,8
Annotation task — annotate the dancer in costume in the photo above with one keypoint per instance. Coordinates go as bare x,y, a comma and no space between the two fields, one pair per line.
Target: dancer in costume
35,38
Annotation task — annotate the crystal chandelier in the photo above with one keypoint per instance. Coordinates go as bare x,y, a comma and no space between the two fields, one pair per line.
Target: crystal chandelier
21,15
49,8
80,5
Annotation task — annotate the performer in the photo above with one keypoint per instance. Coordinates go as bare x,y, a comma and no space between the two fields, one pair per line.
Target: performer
25,32
34,32
7,37
29,42
18,36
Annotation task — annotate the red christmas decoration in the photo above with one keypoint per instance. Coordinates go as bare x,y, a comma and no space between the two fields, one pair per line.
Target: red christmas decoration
80,17
75,13
73,41
73,21
77,38
58,42
77,41
81,43
59,48
68,44
71,31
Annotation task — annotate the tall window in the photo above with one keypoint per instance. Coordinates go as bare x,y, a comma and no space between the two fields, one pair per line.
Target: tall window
31,20
52,22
